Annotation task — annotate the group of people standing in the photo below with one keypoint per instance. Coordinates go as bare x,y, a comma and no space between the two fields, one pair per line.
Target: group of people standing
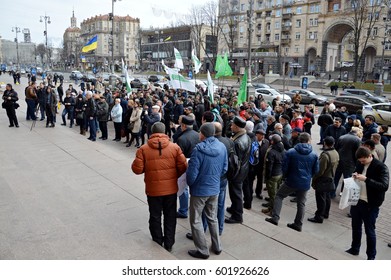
286,163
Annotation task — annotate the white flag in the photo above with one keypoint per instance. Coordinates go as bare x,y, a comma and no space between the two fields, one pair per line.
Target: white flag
210,88
196,61
165,67
178,59
127,79
177,81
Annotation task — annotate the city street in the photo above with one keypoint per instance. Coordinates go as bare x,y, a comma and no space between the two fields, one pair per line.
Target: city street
64,197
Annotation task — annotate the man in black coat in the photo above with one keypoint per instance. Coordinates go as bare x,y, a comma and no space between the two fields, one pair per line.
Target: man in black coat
186,141
168,109
373,178
242,148
335,130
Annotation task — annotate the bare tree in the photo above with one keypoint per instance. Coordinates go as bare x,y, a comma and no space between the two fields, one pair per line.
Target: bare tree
365,15
210,10
41,51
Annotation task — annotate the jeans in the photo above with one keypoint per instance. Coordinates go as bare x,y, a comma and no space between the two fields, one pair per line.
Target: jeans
68,112
220,207
30,109
363,213
42,109
92,129
282,193
184,202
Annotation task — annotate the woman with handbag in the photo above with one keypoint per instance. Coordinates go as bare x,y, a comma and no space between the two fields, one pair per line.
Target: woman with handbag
126,120
9,104
135,124
323,181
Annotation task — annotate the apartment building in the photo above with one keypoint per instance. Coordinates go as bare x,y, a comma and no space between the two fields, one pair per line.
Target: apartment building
293,37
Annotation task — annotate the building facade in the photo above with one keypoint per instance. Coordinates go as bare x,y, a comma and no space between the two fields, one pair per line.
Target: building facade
124,40
158,44
293,37
10,50
72,44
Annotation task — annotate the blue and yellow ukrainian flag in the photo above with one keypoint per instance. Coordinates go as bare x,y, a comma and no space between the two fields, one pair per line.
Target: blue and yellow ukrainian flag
91,45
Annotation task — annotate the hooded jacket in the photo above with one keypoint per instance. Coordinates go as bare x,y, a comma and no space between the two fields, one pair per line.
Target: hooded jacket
208,163
299,166
274,159
162,162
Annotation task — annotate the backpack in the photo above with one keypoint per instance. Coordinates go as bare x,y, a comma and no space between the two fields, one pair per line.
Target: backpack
254,153
234,163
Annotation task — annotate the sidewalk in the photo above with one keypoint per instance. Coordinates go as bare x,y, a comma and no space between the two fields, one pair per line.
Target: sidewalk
64,197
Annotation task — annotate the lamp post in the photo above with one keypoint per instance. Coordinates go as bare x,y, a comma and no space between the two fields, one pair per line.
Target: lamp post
379,87
112,34
46,18
16,30
158,32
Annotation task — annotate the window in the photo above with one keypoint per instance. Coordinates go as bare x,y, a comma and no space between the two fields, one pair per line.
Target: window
374,31
298,23
278,13
277,25
296,48
277,37
242,7
336,7
311,35
387,46
241,29
313,22
259,15
314,8
289,10
298,35
299,10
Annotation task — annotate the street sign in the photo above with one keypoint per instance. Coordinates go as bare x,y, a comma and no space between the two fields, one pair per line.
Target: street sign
304,83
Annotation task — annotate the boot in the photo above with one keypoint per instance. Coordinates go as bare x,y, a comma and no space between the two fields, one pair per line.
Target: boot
83,132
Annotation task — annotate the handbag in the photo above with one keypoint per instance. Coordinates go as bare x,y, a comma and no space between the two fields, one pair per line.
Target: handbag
3,105
16,105
130,126
350,194
326,184
80,115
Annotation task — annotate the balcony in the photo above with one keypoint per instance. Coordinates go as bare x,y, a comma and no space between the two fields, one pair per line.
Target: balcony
267,44
286,28
288,3
285,41
287,16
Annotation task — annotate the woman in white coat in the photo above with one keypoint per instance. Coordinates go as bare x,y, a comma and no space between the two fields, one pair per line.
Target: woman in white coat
116,116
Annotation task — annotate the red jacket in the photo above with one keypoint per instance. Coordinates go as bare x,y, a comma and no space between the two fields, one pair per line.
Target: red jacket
162,162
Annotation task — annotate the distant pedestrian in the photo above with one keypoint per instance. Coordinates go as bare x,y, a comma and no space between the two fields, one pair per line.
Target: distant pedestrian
10,97
162,163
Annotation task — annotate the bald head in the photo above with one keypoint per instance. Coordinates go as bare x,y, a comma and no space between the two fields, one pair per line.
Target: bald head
218,128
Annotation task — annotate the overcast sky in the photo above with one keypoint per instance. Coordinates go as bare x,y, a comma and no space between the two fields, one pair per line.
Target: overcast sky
26,14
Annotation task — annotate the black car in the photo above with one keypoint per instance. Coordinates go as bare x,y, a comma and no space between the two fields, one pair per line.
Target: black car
88,78
155,78
352,103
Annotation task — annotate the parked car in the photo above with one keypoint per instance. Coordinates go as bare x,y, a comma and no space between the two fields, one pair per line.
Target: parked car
270,94
365,94
155,78
76,75
88,78
308,96
352,103
139,83
260,85
380,111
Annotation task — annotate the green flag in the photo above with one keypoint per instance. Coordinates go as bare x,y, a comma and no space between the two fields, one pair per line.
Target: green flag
223,69
219,61
242,96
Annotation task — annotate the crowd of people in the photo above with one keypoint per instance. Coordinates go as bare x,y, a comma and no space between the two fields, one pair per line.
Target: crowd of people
227,144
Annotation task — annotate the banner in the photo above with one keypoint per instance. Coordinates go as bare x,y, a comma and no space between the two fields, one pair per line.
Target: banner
177,81
210,88
196,61
178,59
242,95
127,79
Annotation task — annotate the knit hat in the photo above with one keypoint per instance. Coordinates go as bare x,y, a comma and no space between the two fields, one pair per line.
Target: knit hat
158,127
156,107
285,117
329,141
275,138
208,129
239,122
187,120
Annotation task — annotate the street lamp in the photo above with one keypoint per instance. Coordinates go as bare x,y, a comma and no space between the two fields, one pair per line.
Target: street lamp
111,16
16,30
158,32
45,33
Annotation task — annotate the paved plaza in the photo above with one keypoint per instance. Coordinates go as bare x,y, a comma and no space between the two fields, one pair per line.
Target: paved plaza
64,197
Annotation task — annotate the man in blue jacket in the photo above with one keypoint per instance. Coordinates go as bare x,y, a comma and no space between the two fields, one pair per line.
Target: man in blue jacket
208,163
300,164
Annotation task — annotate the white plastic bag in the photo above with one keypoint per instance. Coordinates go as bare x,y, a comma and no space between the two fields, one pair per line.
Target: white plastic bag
350,193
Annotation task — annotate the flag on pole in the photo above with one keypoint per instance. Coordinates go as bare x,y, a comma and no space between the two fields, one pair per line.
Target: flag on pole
165,67
178,59
167,39
196,61
219,60
242,95
223,68
91,45
210,88
127,79
178,81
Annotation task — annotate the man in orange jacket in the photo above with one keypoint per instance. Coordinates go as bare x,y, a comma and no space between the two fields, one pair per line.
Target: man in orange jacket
163,163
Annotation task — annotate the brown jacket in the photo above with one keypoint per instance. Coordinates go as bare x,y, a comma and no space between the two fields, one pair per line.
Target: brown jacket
162,162
31,93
